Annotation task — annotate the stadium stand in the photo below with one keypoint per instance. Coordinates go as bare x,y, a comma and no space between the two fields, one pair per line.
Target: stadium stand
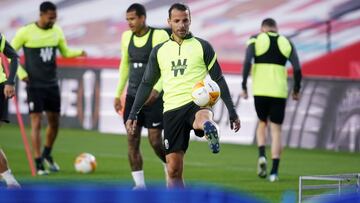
316,27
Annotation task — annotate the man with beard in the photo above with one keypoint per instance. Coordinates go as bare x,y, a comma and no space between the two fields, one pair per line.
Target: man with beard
181,62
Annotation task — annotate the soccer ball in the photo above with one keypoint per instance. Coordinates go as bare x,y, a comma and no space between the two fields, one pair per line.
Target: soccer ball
205,93
85,163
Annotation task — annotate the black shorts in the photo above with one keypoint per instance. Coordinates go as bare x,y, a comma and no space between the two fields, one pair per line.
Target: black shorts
177,126
149,116
4,117
270,107
43,99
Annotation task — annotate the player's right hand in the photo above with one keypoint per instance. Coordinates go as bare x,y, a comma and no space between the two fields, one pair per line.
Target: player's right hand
117,104
296,96
244,94
235,124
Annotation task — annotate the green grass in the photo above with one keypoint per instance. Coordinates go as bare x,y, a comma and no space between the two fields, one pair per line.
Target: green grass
234,168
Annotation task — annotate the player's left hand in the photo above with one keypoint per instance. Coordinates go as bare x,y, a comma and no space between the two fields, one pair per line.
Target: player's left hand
131,126
244,94
9,91
83,53
296,96
154,95
235,124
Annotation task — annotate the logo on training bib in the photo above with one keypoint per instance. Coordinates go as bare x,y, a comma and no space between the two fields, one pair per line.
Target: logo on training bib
166,143
137,65
31,106
46,54
180,66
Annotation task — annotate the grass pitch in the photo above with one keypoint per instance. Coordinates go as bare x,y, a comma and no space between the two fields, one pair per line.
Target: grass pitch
234,168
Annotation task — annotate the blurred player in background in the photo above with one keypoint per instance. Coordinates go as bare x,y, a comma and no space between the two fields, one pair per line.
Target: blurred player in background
136,45
181,62
7,90
40,40
270,51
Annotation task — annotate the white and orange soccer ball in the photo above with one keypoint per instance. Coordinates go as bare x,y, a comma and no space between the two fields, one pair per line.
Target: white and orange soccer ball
205,93
85,163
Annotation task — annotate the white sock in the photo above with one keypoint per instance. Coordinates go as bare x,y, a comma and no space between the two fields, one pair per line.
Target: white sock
10,179
138,177
166,173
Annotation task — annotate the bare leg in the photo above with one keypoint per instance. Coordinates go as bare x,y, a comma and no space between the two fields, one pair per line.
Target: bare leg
134,153
276,141
156,143
175,165
52,128
5,172
3,162
261,133
51,135
35,133
275,151
261,141
201,117
135,158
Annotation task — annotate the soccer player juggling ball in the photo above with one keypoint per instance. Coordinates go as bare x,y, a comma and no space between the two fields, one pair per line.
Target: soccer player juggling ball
181,62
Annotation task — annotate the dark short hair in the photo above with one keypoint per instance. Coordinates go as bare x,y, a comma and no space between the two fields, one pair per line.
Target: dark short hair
180,7
138,8
269,22
47,6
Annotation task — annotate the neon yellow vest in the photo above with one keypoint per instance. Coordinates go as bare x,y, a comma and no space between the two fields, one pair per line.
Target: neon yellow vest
181,66
269,73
